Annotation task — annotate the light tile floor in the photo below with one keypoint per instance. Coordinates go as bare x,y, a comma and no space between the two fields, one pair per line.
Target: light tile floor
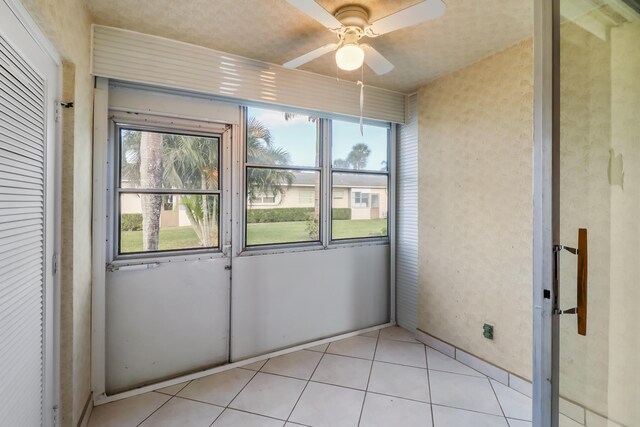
384,378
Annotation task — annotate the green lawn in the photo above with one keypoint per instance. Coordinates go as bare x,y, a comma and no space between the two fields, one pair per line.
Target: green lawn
257,234
170,238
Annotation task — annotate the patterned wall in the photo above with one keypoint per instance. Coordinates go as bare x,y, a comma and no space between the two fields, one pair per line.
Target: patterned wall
475,213
68,26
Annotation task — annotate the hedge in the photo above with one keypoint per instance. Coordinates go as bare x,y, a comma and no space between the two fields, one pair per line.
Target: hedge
291,214
341,213
279,214
131,222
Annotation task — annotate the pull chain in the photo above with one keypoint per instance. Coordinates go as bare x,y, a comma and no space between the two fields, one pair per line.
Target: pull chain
361,84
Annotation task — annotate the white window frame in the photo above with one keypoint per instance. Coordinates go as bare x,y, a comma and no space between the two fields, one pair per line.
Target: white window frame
119,122
265,248
326,170
389,173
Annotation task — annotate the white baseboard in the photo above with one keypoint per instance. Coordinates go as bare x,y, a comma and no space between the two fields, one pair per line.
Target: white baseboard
102,399
86,412
574,411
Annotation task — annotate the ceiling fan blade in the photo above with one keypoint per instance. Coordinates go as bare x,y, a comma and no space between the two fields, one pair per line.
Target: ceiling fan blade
317,12
374,59
301,60
421,12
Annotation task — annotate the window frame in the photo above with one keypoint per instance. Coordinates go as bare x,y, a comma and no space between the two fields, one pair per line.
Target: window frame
390,170
319,168
169,127
326,199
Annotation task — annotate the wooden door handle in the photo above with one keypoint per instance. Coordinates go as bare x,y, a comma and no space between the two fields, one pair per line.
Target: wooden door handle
583,267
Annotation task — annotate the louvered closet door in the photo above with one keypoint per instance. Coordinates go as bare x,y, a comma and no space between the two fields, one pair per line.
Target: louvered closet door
23,159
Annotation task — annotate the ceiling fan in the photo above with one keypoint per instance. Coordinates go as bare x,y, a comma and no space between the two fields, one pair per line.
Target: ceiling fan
351,23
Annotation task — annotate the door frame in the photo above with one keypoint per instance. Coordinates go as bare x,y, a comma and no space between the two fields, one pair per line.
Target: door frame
545,211
218,118
51,323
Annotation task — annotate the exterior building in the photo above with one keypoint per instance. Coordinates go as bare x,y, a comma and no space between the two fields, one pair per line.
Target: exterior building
365,195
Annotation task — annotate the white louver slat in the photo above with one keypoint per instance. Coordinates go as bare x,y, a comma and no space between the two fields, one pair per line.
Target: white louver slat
407,220
22,238
134,57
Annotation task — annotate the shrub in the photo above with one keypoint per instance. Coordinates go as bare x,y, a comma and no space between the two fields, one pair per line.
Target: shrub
313,229
341,213
279,214
131,222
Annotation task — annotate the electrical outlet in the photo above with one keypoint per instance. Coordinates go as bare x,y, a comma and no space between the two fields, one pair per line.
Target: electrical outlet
487,331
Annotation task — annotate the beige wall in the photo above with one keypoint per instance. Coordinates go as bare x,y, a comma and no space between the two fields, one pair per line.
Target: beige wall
67,25
475,213
624,307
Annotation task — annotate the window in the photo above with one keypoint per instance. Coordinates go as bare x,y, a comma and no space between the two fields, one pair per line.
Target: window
263,200
306,197
282,167
360,199
167,191
359,167
167,203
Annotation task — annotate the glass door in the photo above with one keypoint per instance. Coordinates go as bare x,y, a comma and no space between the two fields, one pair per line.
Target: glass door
598,249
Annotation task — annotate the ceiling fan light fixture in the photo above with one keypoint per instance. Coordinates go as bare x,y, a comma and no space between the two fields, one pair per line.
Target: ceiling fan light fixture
349,57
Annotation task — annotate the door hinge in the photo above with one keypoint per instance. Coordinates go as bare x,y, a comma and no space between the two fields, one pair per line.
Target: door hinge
56,111
55,416
227,267
54,263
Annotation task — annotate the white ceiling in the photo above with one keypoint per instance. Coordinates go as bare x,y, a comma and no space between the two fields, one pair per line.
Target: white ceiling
274,31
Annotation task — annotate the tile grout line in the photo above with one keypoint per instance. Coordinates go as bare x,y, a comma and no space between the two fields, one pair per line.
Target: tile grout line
373,358
176,394
498,399
156,410
426,356
473,411
244,411
307,384
378,338
237,394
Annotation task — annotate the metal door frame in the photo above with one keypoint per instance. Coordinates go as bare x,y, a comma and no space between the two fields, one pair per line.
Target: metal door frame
182,118
545,211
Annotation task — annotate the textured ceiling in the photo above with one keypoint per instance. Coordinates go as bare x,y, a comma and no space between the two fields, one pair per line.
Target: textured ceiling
274,31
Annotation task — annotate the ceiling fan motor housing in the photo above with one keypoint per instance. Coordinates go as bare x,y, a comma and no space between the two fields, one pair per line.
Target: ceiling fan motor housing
354,18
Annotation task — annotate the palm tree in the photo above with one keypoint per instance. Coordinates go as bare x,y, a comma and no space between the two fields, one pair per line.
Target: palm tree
359,155
155,160
261,150
192,163
151,151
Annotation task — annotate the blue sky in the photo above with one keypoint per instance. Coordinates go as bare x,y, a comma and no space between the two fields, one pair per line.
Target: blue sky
298,137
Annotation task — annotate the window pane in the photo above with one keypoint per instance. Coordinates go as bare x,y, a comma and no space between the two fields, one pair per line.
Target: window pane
294,214
153,160
282,139
148,223
363,210
352,150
